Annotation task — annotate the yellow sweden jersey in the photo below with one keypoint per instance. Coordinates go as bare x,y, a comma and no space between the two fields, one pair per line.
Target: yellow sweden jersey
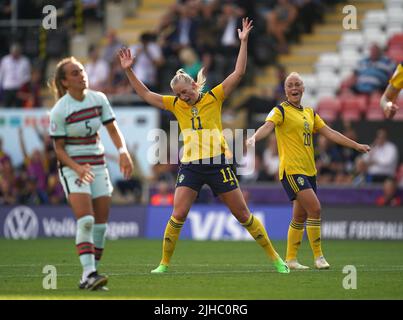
294,129
397,78
200,124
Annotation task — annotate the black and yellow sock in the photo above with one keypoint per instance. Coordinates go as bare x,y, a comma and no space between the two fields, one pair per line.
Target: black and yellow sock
171,236
313,232
258,232
294,239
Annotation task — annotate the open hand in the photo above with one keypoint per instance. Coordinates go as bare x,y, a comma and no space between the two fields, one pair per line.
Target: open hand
126,59
246,28
85,174
126,165
390,110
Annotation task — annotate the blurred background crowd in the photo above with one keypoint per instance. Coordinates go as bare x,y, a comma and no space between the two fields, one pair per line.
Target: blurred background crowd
345,73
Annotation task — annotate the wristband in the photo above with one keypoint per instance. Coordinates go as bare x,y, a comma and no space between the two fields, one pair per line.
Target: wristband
122,150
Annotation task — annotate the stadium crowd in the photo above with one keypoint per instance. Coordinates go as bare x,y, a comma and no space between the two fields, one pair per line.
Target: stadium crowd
193,34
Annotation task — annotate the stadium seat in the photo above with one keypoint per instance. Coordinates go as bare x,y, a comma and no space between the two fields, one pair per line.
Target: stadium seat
374,35
351,115
396,41
328,81
396,54
356,102
349,59
328,115
394,16
328,62
309,100
374,101
375,114
310,83
375,18
329,103
351,40
393,4
393,30
399,114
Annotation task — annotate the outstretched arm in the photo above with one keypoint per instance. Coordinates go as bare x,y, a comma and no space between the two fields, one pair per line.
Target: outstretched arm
388,101
261,133
341,139
230,83
126,61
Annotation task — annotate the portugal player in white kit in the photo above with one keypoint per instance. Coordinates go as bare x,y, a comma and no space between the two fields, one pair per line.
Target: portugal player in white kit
75,121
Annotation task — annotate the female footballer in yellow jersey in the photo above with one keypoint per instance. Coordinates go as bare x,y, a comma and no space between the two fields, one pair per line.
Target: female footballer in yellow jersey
294,128
199,117
389,97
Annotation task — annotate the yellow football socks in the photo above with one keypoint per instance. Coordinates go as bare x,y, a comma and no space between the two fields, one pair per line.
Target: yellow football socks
313,232
294,239
171,235
258,232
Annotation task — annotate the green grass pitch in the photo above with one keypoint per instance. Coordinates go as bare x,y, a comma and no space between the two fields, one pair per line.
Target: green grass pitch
202,270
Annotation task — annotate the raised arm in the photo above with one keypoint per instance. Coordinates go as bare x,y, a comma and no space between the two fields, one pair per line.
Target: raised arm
261,133
388,101
231,82
126,61
341,139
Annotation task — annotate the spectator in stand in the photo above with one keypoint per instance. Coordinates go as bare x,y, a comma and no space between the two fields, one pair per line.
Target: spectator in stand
372,73
148,59
55,189
30,93
30,194
8,187
207,40
163,197
131,189
383,158
117,80
390,196
185,25
279,21
97,70
112,47
279,92
328,160
229,21
349,157
3,155
360,176
190,62
399,176
15,72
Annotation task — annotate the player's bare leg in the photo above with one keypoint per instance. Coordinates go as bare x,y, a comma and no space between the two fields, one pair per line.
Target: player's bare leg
235,201
295,235
183,200
83,210
310,202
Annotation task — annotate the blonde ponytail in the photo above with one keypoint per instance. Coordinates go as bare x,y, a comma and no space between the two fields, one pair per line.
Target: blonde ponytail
55,84
182,76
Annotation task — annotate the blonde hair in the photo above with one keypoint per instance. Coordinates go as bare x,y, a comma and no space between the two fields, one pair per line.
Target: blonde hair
294,74
182,76
55,84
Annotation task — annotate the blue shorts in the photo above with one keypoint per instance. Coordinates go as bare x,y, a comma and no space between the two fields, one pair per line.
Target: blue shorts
219,177
294,183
